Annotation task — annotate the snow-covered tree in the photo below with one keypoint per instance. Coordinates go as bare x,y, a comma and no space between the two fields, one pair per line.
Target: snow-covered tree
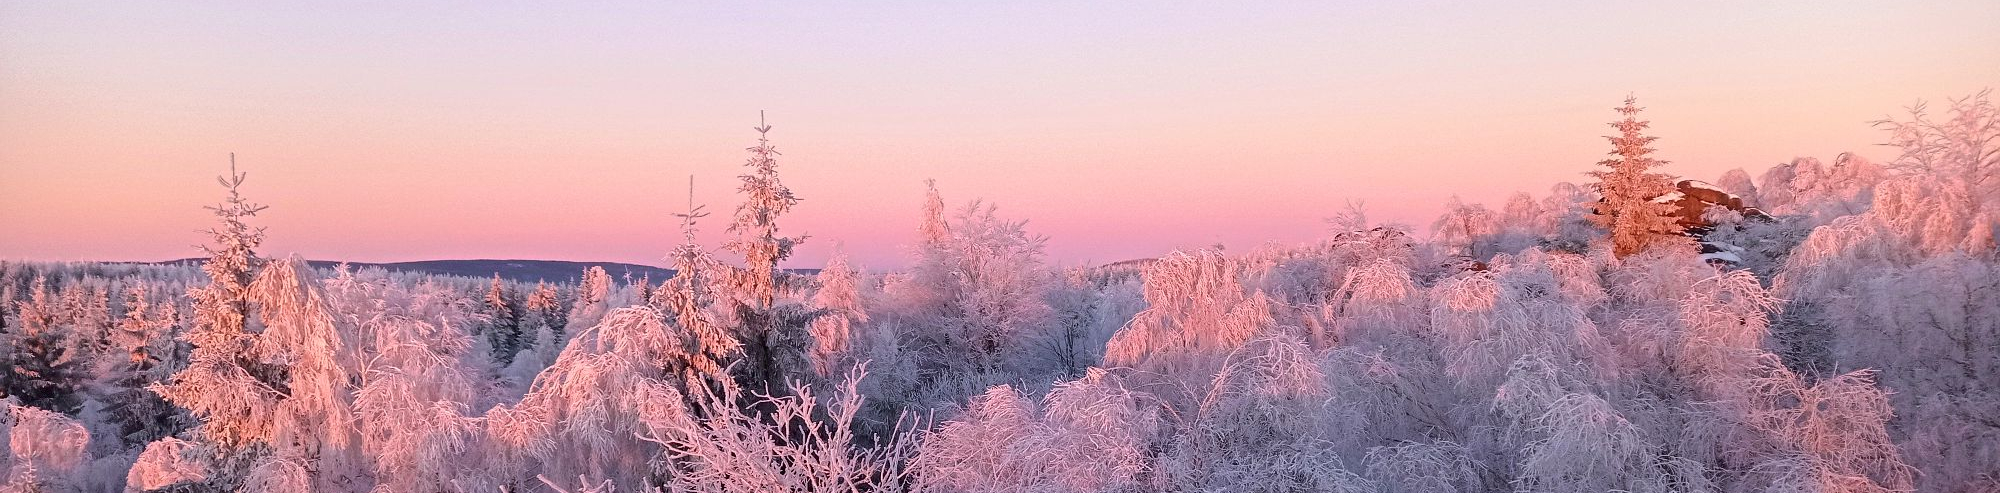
971,311
999,269
46,364
143,349
211,385
774,333
1630,208
1085,315
420,374
542,321
45,449
1906,288
1737,182
1961,153
1467,229
583,413
504,333
265,377
1091,434
1197,307
167,462
802,443
1829,436
692,298
591,300
841,311
933,230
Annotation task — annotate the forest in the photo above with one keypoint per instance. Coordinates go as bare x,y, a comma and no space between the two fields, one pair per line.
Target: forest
1818,326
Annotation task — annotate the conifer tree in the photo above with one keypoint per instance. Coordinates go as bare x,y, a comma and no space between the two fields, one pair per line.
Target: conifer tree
85,314
139,344
689,299
756,223
774,337
839,301
934,285
271,395
44,369
504,334
221,312
589,304
933,230
540,328
542,309
1629,187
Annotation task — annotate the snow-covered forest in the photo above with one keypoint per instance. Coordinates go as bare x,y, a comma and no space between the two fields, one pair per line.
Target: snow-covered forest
1818,326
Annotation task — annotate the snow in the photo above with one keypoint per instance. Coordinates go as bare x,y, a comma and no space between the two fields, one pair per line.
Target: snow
1670,197
1729,257
1705,186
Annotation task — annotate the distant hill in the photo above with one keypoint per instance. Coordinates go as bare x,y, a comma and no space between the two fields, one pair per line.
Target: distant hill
516,270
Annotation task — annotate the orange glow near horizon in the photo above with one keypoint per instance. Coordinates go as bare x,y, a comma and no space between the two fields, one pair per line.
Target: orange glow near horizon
421,132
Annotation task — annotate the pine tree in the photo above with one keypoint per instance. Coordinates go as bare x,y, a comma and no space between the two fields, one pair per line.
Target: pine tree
85,314
1629,188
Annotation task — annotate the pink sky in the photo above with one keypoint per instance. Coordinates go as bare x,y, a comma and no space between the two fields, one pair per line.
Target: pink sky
396,132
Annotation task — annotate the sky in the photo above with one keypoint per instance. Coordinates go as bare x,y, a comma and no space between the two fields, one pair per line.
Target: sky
393,131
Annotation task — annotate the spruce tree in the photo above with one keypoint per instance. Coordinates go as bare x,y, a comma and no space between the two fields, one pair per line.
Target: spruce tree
774,339
688,300
504,333
541,318
43,367
1629,187
220,335
139,344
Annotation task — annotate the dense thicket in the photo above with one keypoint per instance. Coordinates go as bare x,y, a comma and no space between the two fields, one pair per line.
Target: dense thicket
1817,328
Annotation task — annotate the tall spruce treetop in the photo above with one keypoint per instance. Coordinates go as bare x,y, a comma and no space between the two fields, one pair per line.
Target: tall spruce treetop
232,261
756,223
1629,188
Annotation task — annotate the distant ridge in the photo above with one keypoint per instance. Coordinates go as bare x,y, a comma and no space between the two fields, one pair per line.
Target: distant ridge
514,270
